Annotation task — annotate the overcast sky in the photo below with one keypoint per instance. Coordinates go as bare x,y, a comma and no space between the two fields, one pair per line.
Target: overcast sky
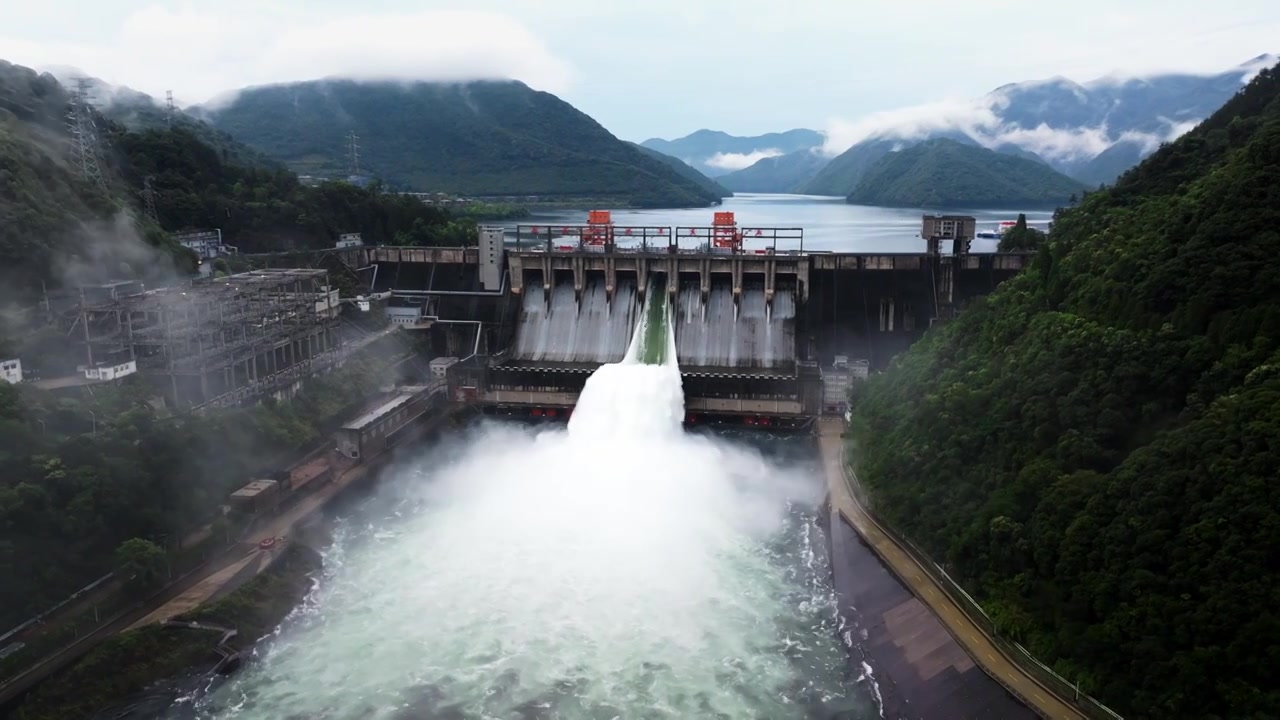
650,67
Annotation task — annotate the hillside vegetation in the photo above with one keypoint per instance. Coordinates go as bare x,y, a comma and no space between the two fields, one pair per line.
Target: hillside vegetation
687,171
944,173
779,174
1093,450
56,228
476,138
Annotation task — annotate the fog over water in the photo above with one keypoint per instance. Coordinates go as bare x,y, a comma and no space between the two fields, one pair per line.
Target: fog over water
616,567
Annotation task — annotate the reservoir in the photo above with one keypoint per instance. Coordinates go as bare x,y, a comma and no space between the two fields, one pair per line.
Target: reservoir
830,224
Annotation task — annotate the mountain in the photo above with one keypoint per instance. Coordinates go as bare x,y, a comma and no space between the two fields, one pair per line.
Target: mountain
944,173
1074,127
687,171
716,153
139,111
56,226
474,138
778,174
1091,451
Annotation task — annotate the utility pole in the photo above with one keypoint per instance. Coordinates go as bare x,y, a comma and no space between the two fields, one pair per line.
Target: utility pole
84,135
353,152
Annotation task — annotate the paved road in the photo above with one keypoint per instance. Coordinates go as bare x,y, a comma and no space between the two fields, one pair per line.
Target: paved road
969,635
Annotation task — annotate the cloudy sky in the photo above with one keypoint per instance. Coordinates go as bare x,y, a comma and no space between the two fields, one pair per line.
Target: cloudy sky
647,67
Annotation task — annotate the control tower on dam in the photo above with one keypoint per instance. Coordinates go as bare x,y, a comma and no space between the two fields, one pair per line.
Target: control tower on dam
766,330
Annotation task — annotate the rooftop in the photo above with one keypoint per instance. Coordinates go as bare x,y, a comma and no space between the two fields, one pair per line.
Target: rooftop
253,489
215,288
377,412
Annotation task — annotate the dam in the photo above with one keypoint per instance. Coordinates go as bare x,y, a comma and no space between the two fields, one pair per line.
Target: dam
766,331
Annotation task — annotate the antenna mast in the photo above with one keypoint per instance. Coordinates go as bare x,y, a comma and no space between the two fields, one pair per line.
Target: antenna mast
168,108
84,135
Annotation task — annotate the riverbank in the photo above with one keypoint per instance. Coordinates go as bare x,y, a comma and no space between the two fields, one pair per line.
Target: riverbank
117,674
934,660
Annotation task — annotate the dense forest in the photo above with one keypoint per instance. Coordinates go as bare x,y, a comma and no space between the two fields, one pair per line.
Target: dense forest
686,171
476,138
1093,449
944,173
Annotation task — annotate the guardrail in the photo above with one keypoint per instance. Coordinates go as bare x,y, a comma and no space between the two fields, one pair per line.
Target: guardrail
1070,693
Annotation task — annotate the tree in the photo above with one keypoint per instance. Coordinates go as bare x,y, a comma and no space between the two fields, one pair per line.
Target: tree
141,566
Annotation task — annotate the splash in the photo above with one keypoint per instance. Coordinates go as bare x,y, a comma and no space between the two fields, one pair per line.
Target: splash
618,567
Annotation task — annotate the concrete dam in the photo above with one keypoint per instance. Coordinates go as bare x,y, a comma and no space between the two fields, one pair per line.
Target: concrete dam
765,331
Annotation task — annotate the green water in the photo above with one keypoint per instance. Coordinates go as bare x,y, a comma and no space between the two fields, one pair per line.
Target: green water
654,346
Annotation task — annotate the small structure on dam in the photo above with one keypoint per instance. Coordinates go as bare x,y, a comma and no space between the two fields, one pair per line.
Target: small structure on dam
759,319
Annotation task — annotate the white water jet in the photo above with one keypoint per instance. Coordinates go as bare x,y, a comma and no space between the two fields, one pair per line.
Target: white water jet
618,567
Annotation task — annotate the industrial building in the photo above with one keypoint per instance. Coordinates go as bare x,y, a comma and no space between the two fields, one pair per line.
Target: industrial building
221,340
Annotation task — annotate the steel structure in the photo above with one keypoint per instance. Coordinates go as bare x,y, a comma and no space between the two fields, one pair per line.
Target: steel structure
221,340
84,133
600,234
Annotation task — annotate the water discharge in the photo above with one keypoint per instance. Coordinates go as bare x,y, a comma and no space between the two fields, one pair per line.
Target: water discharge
616,568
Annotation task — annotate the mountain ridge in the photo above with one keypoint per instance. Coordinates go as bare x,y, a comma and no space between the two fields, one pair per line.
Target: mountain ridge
491,137
944,173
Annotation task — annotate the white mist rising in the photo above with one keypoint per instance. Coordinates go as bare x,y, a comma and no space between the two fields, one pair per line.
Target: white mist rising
616,567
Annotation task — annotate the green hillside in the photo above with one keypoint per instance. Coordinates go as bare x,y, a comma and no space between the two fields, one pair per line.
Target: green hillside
844,171
780,174
477,138
687,171
1092,450
944,173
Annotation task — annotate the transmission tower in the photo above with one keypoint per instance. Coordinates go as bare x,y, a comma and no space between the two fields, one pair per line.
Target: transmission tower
149,198
84,135
168,108
353,153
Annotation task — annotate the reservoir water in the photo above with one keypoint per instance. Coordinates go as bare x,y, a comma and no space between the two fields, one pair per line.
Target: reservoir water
829,223
618,567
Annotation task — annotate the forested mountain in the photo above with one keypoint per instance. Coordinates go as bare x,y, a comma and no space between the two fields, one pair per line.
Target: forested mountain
716,153
1091,131
475,138
780,174
53,221
687,171
1092,450
945,173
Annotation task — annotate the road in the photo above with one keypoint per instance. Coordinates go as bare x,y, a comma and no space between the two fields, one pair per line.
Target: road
971,637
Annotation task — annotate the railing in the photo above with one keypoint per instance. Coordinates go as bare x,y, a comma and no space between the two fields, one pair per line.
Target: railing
1012,650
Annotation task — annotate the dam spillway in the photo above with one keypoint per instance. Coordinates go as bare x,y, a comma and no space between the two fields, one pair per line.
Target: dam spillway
725,330
563,327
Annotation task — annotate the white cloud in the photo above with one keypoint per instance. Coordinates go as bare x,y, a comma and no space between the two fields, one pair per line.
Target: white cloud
738,161
205,52
911,123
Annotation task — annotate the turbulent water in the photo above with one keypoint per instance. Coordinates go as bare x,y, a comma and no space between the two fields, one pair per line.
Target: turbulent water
616,568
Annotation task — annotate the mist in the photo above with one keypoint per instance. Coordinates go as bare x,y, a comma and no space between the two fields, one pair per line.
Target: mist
618,566
114,248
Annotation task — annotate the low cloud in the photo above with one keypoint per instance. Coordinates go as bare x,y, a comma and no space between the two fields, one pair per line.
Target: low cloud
739,161
204,52
980,121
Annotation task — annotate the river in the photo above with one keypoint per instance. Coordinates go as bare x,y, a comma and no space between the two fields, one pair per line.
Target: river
829,223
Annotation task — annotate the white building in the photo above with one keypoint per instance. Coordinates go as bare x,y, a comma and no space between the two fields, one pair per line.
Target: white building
111,372
346,240
11,371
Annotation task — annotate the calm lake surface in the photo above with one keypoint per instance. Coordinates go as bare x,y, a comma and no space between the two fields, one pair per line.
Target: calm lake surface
829,223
